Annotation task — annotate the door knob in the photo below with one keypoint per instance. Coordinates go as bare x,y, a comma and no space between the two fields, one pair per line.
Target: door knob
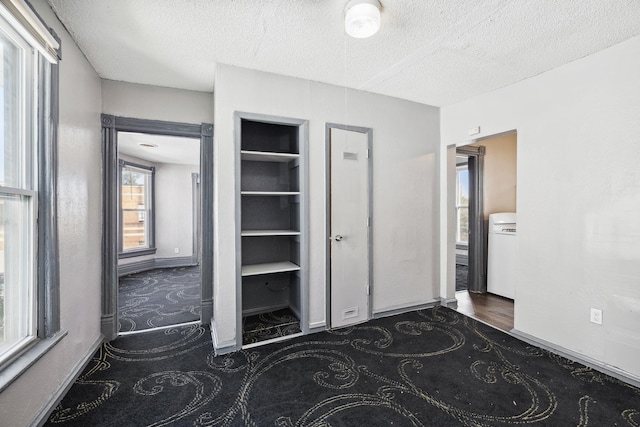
338,238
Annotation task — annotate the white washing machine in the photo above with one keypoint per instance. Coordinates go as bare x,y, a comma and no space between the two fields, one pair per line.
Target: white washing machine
501,258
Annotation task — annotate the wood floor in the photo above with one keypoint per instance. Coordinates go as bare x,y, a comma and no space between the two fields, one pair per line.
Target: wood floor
492,309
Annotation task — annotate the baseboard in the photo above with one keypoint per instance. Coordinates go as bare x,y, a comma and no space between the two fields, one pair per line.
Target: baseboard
136,267
449,303
579,358
317,327
207,309
109,326
41,417
184,261
221,347
392,311
150,264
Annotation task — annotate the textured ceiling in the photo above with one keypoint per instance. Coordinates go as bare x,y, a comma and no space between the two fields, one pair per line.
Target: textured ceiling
436,52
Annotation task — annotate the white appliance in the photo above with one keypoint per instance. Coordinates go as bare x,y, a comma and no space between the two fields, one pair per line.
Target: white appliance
501,258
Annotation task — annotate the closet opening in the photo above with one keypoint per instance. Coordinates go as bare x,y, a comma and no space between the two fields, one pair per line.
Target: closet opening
272,279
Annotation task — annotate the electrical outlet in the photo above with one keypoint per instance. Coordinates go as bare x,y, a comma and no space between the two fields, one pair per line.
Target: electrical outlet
176,250
596,316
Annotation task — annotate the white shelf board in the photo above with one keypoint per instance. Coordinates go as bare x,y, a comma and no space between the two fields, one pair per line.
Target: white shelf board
251,233
264,156
270,193
272,267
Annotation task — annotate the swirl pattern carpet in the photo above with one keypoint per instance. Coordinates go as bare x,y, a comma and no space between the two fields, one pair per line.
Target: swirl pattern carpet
433,367
266,326
159,297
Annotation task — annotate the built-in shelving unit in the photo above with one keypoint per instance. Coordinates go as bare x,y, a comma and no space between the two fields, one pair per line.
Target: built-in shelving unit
272,203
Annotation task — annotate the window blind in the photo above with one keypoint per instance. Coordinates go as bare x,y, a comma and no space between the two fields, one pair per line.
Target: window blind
31,27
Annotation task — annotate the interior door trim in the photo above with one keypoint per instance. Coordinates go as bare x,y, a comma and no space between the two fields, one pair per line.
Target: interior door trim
111,125
369,133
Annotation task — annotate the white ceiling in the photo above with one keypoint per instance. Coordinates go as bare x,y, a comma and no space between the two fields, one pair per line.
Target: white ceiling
168,149
436,52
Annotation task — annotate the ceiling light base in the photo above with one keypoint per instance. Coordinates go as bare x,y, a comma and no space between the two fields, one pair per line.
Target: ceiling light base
362,18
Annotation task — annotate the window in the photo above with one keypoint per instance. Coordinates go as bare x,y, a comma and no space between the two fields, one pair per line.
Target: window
136,209
29,307
462,204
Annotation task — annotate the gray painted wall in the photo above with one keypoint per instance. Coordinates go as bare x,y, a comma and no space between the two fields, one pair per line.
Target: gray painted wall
578,199
405,147
79,211
174,228
156,103
174,209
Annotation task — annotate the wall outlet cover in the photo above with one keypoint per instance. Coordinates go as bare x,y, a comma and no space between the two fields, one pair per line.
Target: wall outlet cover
596,316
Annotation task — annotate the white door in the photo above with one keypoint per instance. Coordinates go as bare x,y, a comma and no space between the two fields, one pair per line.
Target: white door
349,228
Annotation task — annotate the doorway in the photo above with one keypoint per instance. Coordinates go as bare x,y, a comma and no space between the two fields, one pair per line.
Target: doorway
462,222
470,226
492,171
349,225
131,230
158,225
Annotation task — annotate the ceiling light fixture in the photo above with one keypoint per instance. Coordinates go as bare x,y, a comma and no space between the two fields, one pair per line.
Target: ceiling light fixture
362,18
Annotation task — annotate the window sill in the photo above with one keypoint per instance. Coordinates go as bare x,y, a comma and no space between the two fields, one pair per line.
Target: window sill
28,358
141,252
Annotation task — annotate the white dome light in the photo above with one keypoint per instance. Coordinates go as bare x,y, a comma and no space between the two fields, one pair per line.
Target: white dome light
362,18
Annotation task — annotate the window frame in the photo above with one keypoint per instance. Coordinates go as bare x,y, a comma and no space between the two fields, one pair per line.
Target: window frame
150,225
459,206
41,138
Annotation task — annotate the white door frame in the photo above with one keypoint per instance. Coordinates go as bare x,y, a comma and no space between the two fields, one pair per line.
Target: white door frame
369,133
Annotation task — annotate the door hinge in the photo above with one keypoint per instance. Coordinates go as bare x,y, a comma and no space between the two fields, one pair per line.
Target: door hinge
368,290
368,153
368,221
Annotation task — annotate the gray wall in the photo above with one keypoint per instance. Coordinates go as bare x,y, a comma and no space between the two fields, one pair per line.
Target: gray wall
578,200
405,218
79,213
174,209
156,103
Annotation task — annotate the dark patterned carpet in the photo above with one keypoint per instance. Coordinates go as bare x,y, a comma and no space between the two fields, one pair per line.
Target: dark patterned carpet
262,327
434,367
159,297
462,272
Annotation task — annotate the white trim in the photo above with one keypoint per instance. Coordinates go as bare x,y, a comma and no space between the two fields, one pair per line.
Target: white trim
451,303
580,358
30,27
404,308
159,328
221,347
271,341
320,324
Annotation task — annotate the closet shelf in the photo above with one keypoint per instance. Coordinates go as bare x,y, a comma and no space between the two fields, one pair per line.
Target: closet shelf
269,268
253,233
270,193
267,156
